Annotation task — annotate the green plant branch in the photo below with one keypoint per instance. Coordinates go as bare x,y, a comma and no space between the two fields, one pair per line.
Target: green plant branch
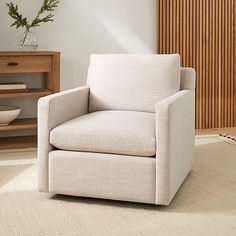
48,6
13,12
20,21
23,40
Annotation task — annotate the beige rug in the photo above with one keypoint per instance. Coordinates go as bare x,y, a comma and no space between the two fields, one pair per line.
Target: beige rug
205,204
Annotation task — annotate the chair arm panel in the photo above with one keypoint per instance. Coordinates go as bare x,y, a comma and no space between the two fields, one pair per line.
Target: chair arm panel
175,134
187,78
54,110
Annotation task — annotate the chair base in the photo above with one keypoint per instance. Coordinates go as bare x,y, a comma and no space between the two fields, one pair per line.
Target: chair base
106,176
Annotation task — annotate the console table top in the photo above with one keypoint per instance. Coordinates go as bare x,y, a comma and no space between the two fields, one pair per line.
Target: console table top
34,53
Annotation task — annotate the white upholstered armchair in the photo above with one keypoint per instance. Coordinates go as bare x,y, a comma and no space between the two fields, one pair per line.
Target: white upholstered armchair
128,135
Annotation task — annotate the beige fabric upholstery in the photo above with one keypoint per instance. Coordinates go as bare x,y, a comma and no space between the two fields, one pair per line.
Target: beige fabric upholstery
118,132
187,79
108,176
175,132
132,82
122,82
53,110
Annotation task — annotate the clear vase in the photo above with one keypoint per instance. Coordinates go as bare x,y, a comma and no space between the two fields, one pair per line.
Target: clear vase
28,41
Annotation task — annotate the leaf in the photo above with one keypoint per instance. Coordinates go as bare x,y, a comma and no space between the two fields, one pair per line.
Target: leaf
20,21
48,6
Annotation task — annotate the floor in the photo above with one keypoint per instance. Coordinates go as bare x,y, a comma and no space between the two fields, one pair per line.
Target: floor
230,131
205,204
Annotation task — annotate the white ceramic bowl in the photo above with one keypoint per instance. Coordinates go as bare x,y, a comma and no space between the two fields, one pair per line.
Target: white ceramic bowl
8,114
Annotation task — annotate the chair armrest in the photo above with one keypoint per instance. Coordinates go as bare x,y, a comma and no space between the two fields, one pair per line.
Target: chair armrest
175,134
54,110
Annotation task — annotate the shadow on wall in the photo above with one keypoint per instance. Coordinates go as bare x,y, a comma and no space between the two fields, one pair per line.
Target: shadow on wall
83,27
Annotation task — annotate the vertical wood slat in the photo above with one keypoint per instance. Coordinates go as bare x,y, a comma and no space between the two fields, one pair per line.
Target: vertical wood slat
204,82
204,33
232,117
201,88
198,69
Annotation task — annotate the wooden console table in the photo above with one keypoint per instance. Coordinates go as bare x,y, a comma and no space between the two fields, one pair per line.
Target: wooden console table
47,63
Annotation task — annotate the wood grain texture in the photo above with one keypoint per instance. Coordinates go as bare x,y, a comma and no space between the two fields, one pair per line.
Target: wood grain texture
31,53
52,78
203,32
29,93
20,124
25,64
19,142
28,62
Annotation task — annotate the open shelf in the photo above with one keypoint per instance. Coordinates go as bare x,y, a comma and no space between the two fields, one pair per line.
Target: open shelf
30,93
46,63
20,124
18,142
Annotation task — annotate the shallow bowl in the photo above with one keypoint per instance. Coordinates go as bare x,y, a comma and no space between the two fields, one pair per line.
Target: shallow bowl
8,114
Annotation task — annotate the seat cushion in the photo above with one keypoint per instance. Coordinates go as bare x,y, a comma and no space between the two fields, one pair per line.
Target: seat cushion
132,82
117,132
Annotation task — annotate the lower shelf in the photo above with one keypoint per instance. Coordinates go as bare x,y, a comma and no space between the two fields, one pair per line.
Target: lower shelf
30,93
18,142
20,124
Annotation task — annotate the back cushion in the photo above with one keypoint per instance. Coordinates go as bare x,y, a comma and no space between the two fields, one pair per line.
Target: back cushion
132,82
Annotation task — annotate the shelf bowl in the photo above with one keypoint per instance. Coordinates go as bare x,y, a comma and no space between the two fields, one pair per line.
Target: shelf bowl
8,114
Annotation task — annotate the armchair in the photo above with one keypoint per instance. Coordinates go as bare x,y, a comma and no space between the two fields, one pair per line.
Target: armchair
128,135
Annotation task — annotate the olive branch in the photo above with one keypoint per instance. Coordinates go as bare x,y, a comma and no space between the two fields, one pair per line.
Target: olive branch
20,21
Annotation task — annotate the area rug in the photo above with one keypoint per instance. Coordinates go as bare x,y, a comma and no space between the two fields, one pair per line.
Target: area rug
204,205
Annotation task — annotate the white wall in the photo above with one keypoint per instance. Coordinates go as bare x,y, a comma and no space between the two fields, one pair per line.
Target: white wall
83,27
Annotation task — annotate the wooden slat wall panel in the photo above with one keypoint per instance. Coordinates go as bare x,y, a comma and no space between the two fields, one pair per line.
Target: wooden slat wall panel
203,32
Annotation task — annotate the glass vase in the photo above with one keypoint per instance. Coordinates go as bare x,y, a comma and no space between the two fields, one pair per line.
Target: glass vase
28,41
